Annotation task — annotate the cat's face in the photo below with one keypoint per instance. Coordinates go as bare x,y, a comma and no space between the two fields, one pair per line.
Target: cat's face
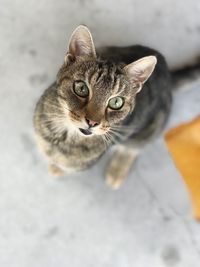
95,95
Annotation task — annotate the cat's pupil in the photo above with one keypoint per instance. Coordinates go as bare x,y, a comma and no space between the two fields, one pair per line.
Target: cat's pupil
83,89
116,102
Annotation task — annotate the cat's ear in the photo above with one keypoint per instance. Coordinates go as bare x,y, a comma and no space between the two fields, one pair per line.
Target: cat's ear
81,44
139,71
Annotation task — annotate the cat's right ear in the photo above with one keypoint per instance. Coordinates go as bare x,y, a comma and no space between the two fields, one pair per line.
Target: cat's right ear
81,44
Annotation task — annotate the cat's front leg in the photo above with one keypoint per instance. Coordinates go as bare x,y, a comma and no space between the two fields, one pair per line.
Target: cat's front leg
119,165
55,170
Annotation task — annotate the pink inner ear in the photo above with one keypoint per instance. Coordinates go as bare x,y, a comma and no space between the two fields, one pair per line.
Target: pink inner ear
137,75
81,43
79,48
140,70
74,48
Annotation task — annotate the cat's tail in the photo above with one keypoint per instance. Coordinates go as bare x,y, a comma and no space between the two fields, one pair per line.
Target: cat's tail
186,76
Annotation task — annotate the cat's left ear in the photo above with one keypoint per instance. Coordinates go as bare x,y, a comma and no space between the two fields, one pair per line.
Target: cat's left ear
139,71
81,44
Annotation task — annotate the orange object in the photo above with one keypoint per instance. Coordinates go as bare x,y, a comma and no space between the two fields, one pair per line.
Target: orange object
183,143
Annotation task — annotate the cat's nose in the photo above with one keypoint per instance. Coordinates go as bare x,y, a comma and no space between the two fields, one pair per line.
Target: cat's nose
91,123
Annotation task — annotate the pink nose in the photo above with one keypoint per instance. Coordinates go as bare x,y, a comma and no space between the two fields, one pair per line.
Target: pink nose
91,123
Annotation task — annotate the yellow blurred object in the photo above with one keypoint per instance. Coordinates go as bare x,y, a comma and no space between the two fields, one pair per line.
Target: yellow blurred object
183,143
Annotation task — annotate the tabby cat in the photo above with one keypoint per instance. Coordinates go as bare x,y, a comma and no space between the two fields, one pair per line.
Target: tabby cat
119,97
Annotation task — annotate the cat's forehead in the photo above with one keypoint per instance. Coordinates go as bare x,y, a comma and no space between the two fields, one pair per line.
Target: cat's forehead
104,76
103,69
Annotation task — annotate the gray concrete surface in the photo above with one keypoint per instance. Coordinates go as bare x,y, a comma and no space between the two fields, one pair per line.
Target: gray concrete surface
78,221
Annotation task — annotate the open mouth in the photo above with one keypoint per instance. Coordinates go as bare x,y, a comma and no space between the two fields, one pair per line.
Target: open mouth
85,132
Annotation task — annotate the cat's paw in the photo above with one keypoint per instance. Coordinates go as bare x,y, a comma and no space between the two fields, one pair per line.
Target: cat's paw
55,171
114,180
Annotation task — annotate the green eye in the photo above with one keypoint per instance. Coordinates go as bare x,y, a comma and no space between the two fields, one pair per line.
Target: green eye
116,102
81,89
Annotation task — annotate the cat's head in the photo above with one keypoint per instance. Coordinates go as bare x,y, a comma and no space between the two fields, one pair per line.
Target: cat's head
95,94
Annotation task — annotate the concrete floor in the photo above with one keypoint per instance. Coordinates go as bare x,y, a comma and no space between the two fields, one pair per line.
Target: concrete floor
78,221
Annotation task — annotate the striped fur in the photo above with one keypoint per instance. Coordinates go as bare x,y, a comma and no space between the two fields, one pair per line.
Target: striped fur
60,113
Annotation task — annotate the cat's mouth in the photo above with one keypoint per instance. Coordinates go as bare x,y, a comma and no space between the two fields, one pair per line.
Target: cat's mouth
85,131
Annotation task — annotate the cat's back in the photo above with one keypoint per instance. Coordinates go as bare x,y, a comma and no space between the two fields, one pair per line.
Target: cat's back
128,54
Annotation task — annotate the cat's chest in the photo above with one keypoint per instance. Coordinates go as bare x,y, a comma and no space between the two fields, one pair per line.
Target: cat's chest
81,150
74,151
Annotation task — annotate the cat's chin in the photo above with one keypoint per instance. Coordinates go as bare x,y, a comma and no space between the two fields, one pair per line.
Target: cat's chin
85,131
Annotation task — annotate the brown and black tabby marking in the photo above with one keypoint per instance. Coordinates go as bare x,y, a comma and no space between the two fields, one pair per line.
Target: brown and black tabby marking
120,98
